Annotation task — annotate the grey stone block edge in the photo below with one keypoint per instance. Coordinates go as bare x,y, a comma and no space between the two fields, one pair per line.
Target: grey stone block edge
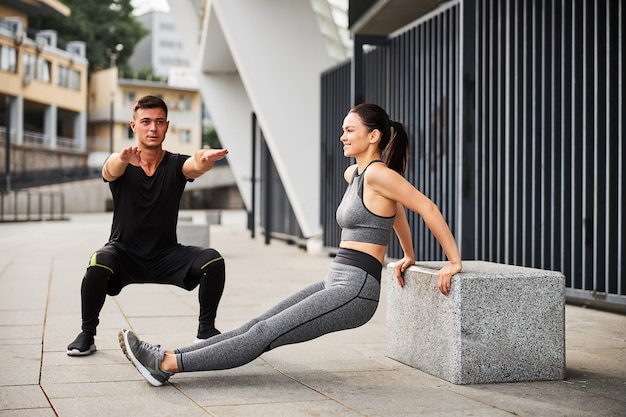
509,330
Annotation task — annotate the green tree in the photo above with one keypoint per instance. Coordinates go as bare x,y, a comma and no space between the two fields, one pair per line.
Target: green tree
210,138
145,73
102,25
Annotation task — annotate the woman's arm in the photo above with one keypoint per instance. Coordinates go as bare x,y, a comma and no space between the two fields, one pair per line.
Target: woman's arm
439,228
401,227
394,186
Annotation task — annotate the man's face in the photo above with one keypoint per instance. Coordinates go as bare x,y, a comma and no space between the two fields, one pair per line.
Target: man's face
150,126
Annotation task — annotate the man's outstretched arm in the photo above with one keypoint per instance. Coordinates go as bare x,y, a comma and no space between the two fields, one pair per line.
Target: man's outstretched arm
116,163
202,161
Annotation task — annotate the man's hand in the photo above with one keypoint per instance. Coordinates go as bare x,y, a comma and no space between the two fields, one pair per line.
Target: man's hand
202,161
213,155
131,155
116,164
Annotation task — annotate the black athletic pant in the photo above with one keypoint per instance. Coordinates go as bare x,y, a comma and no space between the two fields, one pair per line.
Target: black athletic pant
111,268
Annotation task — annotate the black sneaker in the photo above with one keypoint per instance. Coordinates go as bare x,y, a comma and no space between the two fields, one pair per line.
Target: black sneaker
205,335
83,345
145,356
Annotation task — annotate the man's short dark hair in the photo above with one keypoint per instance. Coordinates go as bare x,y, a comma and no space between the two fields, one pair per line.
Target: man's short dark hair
150,102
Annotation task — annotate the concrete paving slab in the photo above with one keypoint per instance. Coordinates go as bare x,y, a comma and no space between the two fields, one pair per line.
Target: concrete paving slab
285,409
320,357
86,372
341,374
260,385
163,403
21,317
21,364
19,397
28,412
27,331
364,390
544,399
101,389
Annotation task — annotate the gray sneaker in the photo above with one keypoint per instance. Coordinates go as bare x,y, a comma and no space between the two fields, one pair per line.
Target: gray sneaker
145,356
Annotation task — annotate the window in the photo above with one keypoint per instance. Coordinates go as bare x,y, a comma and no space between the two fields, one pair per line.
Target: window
185,136
68,78
167,43
8,59
62,76
131,98
185,103
36,67
173,61
29,65
130,134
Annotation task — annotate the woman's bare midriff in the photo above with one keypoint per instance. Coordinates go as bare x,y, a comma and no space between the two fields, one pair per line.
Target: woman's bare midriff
377,251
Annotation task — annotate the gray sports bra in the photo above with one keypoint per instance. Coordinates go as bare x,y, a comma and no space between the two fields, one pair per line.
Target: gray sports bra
356,221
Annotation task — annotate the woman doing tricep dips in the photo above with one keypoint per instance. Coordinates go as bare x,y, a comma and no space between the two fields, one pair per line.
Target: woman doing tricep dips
372,205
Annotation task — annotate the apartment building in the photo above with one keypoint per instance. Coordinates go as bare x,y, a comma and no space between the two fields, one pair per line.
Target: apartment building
162,49
111,101
43,92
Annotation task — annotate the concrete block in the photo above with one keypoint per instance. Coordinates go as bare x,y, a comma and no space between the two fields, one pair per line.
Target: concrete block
193,229
214,216
500,323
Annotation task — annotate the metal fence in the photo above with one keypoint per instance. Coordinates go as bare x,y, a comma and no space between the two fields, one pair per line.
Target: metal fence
42,177
24,205
414,77
335,101
516,114
277,217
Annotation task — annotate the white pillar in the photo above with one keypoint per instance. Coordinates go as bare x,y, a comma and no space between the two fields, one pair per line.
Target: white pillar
80,131
50,125
17,120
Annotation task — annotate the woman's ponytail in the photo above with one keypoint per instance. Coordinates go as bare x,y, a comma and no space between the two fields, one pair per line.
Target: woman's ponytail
396,152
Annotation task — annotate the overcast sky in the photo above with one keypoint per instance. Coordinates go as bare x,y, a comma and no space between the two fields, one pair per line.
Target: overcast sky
143,6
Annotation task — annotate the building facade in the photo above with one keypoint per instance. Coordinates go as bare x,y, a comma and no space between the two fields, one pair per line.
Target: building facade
161,49
43,93
111,100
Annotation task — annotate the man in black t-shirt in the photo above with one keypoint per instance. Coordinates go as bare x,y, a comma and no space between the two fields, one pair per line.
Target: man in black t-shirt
147,183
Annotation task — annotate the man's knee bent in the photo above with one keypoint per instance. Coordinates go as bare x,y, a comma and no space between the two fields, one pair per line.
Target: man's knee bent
105,260
209,263
103,267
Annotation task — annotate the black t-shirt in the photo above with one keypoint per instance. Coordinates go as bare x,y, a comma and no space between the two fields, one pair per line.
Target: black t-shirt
145,210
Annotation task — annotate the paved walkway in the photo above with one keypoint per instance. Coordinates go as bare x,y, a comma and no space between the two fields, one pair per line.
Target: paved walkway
341,374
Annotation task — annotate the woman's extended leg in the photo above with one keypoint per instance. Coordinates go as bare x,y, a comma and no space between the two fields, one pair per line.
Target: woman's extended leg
286,303
348,300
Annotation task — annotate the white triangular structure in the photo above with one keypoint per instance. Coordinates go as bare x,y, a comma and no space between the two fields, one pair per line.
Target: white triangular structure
266,57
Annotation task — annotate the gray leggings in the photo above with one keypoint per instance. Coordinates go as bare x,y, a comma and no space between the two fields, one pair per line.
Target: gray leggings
346,299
